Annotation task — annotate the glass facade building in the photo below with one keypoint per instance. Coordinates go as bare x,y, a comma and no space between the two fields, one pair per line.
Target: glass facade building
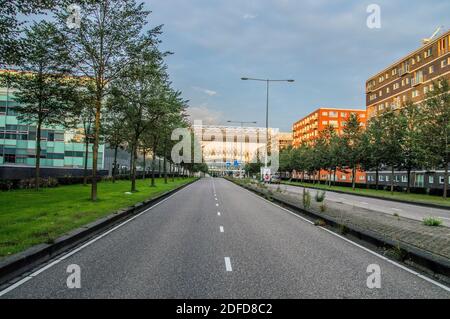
60,148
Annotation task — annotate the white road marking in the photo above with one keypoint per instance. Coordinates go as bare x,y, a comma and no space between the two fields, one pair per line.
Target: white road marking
444,218
221,229
215,198
364,203
397,209
217,205
218,213
228,264
67,255
357,245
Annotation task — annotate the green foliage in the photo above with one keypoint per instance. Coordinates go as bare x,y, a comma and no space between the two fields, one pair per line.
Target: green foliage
320,196
432,221
306,199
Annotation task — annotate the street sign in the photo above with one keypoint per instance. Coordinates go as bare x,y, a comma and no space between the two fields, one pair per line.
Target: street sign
266,174
228,164
236,163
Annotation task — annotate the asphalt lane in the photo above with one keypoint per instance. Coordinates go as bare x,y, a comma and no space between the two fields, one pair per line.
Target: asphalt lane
411,211
232,245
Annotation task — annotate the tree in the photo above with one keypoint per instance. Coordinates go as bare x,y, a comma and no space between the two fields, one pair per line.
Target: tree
412,149
436,109
42,83
137,94
352,139
103,46
12,45
115,134
372,147
392,141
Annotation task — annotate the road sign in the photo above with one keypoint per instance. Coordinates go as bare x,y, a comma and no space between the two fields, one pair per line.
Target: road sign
236,163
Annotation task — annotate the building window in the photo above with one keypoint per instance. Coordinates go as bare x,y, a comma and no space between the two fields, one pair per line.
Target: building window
387,178
404,179
430,179
334,123
394,72
324,122
396,86
415,93
444,63
343,114
428,53
441,179
431,69
333,114
381,178
325,113
387,90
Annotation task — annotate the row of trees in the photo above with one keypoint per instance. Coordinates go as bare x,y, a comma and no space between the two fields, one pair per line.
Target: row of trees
414,136
107,74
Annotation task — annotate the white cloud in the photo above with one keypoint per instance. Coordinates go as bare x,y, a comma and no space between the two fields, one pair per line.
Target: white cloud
207,116
249,16
205,91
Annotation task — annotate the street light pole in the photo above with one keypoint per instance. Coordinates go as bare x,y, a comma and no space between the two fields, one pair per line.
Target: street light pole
267,109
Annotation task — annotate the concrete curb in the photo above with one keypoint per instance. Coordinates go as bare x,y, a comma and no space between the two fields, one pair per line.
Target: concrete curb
22,262
376,197
436,263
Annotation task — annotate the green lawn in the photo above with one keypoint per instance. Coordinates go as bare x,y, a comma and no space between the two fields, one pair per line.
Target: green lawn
417,198
28,217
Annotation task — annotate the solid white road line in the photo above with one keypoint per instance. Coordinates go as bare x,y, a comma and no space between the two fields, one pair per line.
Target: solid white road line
434,282
221,229
228,264
67,255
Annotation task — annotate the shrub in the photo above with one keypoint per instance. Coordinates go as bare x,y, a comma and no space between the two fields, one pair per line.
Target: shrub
432,221
320,196
320,222
306,198
323,207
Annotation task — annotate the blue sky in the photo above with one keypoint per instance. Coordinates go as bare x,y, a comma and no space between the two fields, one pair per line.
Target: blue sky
324,45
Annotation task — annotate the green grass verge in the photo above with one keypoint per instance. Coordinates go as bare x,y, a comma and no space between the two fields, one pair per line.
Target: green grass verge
28,217
415,198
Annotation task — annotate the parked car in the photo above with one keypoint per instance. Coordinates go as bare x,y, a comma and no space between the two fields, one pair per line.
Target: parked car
275,179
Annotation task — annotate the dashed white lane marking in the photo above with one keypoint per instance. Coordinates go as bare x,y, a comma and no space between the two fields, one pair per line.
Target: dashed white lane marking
67,255
228,264
217,205
215,198
364,203
397,209
221,229
218,213
431,281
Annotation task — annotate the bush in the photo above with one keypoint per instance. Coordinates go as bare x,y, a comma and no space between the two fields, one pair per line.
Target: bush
432,221
320,196
30,183
306,198
320,222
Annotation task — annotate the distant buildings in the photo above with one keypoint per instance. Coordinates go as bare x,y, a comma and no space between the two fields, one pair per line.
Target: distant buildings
307,129
62,151
410,78
285,140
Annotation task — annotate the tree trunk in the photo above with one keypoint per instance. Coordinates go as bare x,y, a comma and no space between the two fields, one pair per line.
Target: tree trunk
165,165
153,166
38,156
86,155
143,174
444,195
354,177
392,180
377,175
133,169
334,179
115,165
159,167
98,108
408,178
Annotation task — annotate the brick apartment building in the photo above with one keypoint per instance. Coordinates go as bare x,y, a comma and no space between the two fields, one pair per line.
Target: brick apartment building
409,79
308,128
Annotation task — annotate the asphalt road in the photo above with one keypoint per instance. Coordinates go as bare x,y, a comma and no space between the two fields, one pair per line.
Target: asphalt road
411,211
183,248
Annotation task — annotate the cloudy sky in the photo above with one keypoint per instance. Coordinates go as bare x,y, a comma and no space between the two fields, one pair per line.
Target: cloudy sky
325,46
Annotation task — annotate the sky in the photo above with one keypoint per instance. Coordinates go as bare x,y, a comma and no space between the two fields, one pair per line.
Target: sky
325,46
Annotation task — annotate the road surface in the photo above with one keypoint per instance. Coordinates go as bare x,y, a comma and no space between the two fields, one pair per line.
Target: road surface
411,211
214,239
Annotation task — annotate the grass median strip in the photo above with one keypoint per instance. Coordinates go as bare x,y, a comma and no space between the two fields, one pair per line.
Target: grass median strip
413,198
29,218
